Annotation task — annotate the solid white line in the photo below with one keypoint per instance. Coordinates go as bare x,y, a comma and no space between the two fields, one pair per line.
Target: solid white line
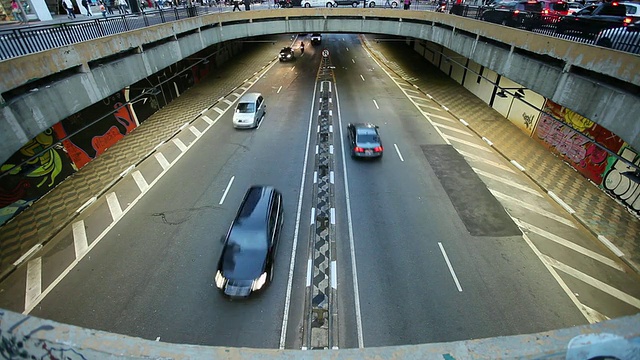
309,271
453,273
195,131
559,280
485,160
313,216
114,205
362,77
208,119
331,179
180,144
80,242
533,208
518,166
315,177
459,131
507,182
593,282
398,151
333,216
162,160
140,181
203,111
183,126
86,204
611,247
285,317
354,270
156,147
34,282
224,195
334,275
218,110
26,255
568,244
280,88
468,143
561,203
376,104
229,102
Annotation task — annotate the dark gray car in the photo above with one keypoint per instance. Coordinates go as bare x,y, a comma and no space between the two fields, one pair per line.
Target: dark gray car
364,140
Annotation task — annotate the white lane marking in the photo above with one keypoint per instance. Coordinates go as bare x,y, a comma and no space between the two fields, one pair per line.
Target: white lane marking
559,280
330,128
238,95
287,301
180,144
571,245
80,243
453,273
75,262
317,148
158,338
595,314
459,131
162,160
464,122
485,160
330,149
224,195
376,104
208,119
611,247
218,110
315,177
507,182
280,88
26,255
532,208
352,249
86,204
195,131
229,102
347,49
468,143
34,282
593,282
518,166
411,91
398,151
331,177
114,205
362,77
445,118
561,203
333,216
445,108
353,61
334,275
140,181
487,141
309,271
313,216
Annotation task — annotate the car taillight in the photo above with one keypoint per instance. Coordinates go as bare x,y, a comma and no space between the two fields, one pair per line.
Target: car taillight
627,21
545,11
614,3
358,149
377,149
516,12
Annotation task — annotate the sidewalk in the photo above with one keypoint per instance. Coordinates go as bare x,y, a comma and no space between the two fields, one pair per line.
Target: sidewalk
594,209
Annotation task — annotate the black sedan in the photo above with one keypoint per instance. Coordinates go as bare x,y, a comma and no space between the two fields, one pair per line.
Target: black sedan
286,54
525,14
249,251
364,140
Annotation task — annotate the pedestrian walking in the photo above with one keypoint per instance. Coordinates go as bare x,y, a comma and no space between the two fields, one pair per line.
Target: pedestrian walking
236,5
68,5
407,4
18,13
301,48
86,6
246,5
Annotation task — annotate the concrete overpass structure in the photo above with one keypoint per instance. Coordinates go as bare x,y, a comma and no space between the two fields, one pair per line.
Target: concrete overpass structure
40,89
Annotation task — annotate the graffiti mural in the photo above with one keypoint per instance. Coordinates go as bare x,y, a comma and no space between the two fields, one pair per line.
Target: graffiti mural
26,178
621,186
555,131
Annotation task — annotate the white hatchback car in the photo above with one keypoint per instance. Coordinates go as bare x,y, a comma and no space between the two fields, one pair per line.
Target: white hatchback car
318,3
250,111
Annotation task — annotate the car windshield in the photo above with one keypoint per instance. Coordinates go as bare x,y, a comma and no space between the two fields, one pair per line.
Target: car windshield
285,50
246,107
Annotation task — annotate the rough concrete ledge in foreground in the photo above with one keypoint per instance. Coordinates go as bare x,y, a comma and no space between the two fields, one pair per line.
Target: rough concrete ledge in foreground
31,337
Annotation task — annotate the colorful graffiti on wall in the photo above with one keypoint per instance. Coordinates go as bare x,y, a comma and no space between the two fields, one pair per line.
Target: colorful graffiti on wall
621,186
555,131
22,184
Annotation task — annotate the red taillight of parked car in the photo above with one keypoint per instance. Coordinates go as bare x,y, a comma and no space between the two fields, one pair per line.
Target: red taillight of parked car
545,12
377,149
516,12
358,149
627,21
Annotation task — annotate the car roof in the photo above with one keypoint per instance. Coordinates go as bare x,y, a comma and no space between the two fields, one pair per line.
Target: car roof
254,209
250,97
364,125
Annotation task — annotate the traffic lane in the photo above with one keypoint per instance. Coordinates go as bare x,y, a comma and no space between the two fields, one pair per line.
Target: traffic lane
240,149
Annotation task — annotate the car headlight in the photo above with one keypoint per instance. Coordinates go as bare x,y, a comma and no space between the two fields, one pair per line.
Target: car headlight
288,55
220,280
259,282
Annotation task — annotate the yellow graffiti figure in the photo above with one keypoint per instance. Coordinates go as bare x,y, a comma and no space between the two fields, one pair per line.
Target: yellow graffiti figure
576,120
48,165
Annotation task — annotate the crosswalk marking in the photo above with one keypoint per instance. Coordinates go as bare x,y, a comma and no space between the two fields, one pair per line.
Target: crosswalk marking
532,208
80,238
460,131
507,182
573,246
114,205
34,281
468,143
593,282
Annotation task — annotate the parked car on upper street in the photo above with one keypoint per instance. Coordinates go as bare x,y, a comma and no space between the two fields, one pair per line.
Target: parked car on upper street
625,38
525,14
553,10
364,140
250,246
574,6
286,54
592,19
318,3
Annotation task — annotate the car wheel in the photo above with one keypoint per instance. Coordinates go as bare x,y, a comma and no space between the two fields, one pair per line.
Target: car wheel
394,4
372,4
604,42
307,5
329,5
354,4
